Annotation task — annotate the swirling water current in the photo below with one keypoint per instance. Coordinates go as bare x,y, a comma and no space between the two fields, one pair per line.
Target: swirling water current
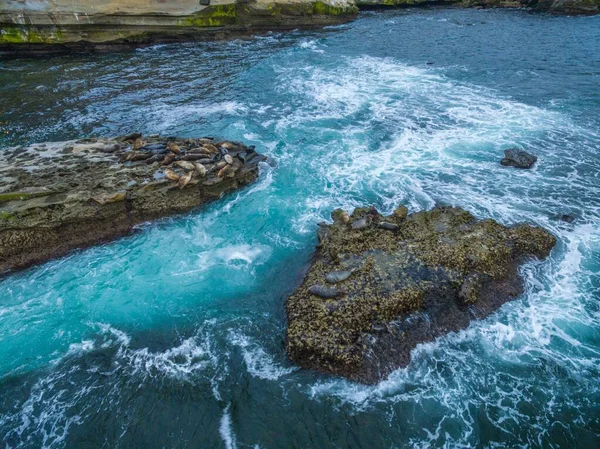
174,336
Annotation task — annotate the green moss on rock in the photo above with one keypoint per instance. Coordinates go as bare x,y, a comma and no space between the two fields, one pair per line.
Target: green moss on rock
213,16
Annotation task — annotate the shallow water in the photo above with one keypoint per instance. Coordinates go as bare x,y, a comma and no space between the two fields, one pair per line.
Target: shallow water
174,337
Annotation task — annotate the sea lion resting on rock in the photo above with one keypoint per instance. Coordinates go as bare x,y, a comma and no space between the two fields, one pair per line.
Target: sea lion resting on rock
433,274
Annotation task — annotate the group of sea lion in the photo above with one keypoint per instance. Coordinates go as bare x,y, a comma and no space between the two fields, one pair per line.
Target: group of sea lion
185,159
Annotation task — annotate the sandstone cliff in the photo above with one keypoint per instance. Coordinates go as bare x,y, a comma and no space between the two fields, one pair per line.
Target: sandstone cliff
64,24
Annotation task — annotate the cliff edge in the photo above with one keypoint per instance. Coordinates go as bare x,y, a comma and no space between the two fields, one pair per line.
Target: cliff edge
62,25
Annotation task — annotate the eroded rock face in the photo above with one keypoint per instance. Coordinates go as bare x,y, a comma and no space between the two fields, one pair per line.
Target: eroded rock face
374,292
56,197
35,26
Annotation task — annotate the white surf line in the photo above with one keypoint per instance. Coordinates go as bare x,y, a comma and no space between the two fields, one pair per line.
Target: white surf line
226,431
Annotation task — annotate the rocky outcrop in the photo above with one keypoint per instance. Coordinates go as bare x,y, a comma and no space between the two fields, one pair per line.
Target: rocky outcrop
56,197
514,157
379,285
65,25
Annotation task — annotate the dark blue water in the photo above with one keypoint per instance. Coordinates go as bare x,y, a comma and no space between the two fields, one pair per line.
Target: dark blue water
174,337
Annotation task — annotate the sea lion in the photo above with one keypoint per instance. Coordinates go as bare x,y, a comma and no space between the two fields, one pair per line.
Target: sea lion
228,145
185,165
325,292
193,157
200,150
228,159
137,144
132,136
209,146
169,158
226,172
170,174
155,148
155,158
201,169
183,181
134,157
174,147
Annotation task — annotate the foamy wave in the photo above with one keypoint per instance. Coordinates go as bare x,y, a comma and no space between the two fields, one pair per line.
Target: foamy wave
226,431
258,362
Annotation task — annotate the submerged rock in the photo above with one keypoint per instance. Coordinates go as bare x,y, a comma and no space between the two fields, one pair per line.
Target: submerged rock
514,157
56,197
439,270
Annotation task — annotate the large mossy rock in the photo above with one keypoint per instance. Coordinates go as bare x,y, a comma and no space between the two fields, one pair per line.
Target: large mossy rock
408,280
55,197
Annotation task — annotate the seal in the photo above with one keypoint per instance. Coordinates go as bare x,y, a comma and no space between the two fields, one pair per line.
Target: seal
338,276
389,226
361,223
228,159
325,292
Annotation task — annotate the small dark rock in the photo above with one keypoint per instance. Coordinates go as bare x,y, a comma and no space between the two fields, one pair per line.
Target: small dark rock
514,157
564,217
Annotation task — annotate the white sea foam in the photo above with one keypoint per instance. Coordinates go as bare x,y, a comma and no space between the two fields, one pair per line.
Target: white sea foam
226,431
258,362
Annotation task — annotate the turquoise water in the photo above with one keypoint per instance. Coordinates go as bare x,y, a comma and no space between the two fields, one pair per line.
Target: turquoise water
174,336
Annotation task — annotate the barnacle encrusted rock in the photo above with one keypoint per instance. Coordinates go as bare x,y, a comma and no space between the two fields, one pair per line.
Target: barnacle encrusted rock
431,275
55,197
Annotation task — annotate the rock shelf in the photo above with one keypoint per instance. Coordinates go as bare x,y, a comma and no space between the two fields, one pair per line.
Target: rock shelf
55,197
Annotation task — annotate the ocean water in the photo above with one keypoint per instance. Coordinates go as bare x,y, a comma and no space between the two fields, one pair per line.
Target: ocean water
174,337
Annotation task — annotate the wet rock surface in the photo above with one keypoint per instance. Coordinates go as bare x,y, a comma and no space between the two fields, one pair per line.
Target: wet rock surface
374,292
515,157
55,197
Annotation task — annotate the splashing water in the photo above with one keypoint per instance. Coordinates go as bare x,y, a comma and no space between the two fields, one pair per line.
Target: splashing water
175,336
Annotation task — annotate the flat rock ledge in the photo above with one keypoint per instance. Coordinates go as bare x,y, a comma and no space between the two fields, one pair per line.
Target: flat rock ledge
56,197
378,286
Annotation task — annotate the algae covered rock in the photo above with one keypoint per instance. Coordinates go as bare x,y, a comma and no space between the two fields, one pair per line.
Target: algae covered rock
55,197
374,292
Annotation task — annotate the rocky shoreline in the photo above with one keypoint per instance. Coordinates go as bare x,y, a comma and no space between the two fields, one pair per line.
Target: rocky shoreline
378,286
31,27
56,197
